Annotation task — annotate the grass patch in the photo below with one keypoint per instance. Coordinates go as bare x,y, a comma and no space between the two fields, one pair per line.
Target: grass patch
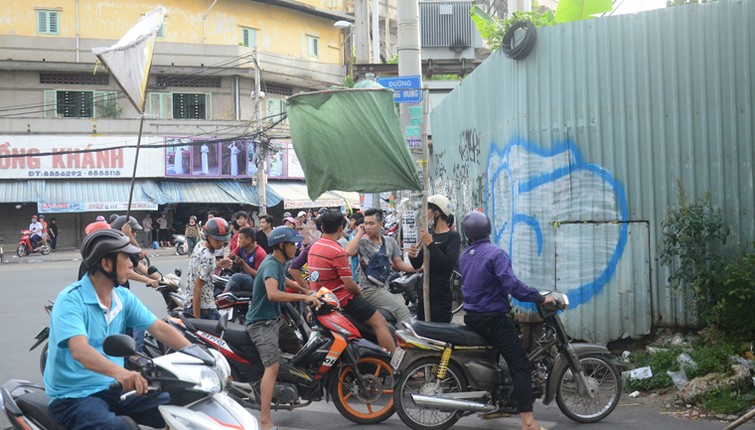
727,402
659,362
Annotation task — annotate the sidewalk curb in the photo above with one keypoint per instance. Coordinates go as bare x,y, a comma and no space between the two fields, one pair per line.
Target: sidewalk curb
71,255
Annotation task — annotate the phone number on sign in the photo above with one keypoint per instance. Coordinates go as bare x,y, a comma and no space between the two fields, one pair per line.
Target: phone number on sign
77,173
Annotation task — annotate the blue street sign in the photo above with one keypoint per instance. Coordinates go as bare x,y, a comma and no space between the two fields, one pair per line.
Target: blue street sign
407,89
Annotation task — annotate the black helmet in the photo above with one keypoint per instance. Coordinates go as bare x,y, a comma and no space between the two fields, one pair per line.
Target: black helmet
475,226
218,229
100,243
121,221
283,234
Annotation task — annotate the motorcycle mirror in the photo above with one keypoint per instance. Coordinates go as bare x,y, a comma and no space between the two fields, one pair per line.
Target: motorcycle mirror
119,345
177,271
151,270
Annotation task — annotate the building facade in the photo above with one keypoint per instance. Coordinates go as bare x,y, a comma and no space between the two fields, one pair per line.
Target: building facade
68,135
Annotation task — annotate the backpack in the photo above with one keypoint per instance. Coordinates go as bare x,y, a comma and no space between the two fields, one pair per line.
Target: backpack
379,268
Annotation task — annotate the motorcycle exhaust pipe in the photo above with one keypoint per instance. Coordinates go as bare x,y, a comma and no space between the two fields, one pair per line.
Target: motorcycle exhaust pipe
446,403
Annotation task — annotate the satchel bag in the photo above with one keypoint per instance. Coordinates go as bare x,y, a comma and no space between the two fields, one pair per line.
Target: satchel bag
379,268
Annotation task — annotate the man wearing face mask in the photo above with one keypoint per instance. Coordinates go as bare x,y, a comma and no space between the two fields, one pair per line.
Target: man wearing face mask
443,245
77,373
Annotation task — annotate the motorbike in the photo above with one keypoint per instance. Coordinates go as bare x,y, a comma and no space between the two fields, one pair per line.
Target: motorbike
169,286
410,285
179,241
24,245
336,362
447,371
193,377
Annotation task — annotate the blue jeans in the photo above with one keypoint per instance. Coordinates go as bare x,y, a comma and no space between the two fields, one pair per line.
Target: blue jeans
101,411
240,282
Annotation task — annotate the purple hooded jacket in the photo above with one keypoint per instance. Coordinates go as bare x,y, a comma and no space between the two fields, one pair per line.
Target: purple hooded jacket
488,280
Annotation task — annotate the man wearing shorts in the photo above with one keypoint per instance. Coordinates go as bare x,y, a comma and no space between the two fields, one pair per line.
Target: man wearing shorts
329,267
263,319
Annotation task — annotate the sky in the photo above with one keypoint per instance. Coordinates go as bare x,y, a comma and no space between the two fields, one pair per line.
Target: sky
632,6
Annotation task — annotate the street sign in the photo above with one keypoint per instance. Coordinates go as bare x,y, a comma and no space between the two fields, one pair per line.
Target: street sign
407,89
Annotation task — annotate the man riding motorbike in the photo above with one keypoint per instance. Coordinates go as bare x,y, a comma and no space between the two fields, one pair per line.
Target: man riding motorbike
488,282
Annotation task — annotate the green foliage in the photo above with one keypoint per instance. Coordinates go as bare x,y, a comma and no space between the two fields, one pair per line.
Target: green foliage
710,359
348,81
108,109
691,232
492,29
732,309
659,362
726,401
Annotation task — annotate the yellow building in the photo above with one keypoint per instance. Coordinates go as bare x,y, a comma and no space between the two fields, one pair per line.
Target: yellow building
201,87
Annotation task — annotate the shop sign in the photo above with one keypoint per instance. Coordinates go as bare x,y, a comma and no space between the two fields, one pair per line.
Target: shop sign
48,207
65,157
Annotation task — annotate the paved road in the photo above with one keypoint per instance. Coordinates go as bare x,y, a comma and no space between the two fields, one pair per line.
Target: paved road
26,288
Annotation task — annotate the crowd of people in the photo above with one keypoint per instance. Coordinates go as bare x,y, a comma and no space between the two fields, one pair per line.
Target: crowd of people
348,255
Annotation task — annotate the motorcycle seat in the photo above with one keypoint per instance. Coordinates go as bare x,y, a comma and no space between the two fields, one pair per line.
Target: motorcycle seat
452,333
34,405
234,333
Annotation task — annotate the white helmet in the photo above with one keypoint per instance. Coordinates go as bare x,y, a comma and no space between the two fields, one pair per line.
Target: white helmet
443,204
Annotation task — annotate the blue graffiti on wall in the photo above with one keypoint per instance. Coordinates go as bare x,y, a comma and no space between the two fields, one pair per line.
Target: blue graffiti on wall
534,187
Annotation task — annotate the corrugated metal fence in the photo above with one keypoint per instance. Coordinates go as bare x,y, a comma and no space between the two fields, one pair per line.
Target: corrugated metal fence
574,152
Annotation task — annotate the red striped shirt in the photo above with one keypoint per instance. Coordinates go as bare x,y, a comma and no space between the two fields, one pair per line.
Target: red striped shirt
329,260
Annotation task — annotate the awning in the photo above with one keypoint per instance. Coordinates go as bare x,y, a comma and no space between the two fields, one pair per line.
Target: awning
352,198
74,195
294,196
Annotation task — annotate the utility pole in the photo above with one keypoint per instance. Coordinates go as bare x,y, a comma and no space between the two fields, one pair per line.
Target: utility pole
361,31
410,64
261,160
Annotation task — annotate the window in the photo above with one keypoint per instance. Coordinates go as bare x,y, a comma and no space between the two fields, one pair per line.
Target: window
313,45
275,109
190,106
48,22
179,105
81,104
248,37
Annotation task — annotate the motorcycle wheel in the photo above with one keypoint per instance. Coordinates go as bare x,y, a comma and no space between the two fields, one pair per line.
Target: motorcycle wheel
180,249
45,249
21,250
457,300
365,408
419,378
599,371
43,359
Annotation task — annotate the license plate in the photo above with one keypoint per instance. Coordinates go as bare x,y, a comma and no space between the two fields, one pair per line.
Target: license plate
398,355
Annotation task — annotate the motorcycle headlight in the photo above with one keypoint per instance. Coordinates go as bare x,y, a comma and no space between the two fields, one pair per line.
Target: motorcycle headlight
205,378
222,366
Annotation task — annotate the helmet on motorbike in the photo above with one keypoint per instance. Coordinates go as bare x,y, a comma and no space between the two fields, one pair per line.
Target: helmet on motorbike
121,221
102,242
475,226
283,234
442,203
100,218
217,228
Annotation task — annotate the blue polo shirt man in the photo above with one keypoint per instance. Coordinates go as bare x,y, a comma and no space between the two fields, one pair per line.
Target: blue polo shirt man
76,308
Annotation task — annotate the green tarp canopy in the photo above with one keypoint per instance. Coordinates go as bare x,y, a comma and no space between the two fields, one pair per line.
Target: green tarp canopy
350,140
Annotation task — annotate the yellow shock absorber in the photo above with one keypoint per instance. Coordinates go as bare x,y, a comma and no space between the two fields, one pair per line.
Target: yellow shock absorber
443,365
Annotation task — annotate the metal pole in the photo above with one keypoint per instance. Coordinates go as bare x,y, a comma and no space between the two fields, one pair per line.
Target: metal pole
410,64
258,113
136,163
423,215
375,32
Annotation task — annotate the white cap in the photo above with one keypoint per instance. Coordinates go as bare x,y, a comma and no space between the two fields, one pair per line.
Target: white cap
301,213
